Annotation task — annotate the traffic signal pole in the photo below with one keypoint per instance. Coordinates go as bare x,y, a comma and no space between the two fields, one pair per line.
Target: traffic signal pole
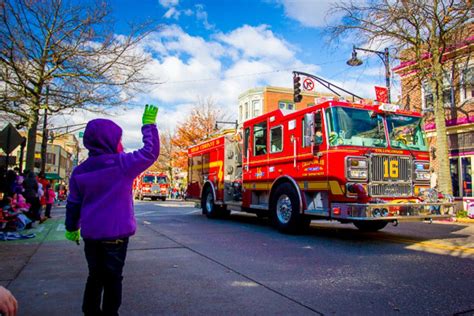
328,85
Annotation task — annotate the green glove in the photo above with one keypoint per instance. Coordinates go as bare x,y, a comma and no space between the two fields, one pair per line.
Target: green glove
73,236
149,115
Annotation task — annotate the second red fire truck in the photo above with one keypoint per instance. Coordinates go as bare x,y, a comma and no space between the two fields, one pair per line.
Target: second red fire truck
153,185
338,160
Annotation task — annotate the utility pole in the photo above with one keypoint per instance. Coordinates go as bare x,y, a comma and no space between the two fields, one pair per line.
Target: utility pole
44,141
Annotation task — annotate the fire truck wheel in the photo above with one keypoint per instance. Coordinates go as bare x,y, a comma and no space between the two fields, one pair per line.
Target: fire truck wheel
285,210
370,226
153,198
163,199
208,207
141,197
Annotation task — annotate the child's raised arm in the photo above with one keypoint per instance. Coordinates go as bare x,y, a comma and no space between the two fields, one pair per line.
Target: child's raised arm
138,161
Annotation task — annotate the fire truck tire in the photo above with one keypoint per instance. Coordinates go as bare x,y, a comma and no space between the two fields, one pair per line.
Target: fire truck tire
163,199
209,208
285,210
153,198
141,197
370,226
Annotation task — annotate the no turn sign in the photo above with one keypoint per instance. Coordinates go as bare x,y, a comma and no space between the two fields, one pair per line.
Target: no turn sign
308,84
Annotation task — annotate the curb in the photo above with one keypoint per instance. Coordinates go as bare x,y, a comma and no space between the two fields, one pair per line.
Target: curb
464,220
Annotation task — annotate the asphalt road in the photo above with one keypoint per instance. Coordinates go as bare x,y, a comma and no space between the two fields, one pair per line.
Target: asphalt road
181,263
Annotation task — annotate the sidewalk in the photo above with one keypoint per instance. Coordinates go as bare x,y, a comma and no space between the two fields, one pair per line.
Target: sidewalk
465,220
30,266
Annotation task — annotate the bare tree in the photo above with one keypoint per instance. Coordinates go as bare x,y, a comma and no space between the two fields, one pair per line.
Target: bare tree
63,55
425,31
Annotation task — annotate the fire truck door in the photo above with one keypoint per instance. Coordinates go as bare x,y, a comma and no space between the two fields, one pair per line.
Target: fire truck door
260,152
314,137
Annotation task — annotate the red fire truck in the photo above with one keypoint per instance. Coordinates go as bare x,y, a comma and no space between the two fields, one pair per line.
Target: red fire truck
153,185
338,160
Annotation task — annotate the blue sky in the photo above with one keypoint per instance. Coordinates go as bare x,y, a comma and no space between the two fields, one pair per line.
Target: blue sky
219,49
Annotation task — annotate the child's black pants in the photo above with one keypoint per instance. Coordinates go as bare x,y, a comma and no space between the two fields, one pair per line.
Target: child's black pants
105,259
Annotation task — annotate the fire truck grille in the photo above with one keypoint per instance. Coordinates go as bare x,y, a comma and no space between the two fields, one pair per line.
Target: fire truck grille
390,189
390,176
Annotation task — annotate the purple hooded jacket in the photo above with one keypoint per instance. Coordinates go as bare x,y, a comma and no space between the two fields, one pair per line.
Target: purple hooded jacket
100,199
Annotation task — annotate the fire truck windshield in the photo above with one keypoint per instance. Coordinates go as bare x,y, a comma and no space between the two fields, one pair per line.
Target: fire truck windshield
405,132
154,179
355,127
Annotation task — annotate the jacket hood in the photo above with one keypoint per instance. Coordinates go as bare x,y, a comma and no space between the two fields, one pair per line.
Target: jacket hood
101,137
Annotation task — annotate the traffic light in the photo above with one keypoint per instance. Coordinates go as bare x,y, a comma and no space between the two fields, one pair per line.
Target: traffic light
297,89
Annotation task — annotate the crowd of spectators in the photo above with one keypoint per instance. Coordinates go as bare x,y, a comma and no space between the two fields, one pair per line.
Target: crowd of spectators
26,199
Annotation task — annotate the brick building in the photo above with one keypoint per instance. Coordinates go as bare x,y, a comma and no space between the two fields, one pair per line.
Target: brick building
255,102
458,98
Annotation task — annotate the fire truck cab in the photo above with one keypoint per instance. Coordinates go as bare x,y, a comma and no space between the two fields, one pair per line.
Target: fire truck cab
151,185
354,163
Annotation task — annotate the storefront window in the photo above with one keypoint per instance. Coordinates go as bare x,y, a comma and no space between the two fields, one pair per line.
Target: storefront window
461,175
466,176
454,168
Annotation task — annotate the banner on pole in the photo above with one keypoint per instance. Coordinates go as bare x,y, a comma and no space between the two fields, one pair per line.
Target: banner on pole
381,94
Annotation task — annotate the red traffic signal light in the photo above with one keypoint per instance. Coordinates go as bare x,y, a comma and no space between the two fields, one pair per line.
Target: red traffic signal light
297,89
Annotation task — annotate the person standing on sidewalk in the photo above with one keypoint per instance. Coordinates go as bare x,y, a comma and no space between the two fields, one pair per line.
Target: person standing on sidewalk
100,205
31,195
49,200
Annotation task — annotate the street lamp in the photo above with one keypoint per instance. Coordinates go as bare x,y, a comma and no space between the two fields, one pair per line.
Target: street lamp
384,56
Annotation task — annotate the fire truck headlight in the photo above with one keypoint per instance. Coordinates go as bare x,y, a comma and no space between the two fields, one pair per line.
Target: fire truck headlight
424,176
357,163
357,168
358,174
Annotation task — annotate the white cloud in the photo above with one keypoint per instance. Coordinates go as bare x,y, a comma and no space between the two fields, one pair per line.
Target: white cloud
201,15
172,13
311,13
191,66
269,46
169,3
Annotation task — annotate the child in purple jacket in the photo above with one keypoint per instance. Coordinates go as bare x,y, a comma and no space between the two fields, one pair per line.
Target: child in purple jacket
100,204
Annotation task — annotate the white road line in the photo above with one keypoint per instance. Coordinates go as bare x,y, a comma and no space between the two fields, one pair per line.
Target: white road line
144,213
61,228
193,212
173,205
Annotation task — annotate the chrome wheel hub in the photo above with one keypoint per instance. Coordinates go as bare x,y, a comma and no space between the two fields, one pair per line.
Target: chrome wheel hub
284,209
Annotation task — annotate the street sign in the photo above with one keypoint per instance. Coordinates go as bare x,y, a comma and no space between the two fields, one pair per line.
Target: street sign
308,84
10,139
81,134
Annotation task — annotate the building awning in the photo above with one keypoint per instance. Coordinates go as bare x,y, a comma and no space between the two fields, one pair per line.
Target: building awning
52,176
